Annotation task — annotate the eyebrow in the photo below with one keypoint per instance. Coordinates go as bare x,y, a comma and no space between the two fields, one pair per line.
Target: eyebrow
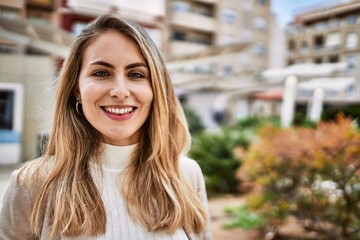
132,65
137,64
102,63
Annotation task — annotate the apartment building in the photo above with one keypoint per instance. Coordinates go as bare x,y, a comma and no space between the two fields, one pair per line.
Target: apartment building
194,25
328,34
75,14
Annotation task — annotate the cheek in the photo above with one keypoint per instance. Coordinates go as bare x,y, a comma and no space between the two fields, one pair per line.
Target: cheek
89,92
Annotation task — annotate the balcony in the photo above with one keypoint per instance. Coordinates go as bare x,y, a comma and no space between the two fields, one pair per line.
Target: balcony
13,3
193,21
185,47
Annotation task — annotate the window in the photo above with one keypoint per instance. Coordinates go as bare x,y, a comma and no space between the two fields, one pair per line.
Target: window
334,23
320,26
333,40
260,23
228,16
227,40
202,10
179,6
351,20
6,109
262,2
304,47
291,45
333,59
226,70
351,61
77,27
260,49
291,30
318,60
318,42
351,40
179,35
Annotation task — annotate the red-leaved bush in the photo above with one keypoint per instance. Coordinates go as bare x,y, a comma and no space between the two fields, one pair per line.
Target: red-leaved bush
311,174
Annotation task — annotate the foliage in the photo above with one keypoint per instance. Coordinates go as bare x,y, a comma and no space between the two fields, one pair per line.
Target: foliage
255,123
313,174
215,154
218,153
194,121
330,112
243,218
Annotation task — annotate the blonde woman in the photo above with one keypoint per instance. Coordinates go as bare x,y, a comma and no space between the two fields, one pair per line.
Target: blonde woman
114,167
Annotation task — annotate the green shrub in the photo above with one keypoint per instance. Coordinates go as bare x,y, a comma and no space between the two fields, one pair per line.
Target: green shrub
215,154
243,218
193,119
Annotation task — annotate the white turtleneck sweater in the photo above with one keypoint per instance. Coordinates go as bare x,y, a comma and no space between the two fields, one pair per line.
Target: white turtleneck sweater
18,202
119,224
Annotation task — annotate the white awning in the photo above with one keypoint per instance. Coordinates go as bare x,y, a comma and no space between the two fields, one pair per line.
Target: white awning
307,70
328,84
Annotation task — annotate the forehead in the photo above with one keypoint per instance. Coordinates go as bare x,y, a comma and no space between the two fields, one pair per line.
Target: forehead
113,45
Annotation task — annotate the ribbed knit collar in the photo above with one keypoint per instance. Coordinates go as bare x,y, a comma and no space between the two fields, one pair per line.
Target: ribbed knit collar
116,158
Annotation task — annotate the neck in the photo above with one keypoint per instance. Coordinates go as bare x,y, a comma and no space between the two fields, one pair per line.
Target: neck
116,158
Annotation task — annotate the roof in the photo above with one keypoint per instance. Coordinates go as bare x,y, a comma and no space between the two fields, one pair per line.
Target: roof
327,11
275,95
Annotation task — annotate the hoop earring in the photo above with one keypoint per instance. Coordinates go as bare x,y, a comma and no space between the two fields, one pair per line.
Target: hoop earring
77,106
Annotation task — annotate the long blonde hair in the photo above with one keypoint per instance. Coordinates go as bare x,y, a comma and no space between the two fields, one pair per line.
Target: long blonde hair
156,193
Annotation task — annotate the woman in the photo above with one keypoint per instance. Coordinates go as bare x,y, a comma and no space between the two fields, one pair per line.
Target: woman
113,167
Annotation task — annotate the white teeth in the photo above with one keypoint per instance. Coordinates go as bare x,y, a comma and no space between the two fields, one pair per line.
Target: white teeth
119,110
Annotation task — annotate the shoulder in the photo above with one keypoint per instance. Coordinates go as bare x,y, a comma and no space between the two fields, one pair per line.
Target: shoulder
191,171
16,207
19,200
22,179
29,175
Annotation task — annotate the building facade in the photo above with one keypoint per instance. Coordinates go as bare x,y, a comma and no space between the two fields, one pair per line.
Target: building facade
194,25
325,35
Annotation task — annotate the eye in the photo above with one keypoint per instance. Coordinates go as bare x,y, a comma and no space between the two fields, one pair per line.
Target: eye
100,74
136,75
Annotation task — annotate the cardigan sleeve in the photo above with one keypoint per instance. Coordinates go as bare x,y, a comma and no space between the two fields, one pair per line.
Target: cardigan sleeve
194,175
15,212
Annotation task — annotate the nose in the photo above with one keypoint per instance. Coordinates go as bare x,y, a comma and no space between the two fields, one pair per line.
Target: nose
120,88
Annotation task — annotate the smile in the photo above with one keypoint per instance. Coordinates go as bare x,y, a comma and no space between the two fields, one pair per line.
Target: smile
119,111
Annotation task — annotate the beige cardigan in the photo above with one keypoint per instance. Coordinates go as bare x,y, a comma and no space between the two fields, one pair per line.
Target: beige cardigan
18,202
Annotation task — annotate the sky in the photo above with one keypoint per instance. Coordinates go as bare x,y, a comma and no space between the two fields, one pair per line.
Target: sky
285,10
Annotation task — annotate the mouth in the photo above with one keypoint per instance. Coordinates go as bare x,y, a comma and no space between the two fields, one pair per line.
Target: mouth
119,110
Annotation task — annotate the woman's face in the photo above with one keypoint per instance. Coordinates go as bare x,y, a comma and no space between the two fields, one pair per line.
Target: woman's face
115,89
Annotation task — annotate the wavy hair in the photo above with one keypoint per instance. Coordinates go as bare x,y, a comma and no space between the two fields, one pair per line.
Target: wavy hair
62,178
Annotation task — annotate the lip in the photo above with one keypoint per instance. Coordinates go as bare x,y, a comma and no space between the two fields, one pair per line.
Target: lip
119,117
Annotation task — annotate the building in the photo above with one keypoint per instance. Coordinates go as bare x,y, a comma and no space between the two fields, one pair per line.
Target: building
75,14
222,35
194,25
329,34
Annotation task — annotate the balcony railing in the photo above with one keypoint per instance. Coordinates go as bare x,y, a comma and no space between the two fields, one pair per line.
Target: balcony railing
194,21
185,47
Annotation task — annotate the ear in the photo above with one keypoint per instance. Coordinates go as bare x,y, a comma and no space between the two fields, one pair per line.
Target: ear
76,93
